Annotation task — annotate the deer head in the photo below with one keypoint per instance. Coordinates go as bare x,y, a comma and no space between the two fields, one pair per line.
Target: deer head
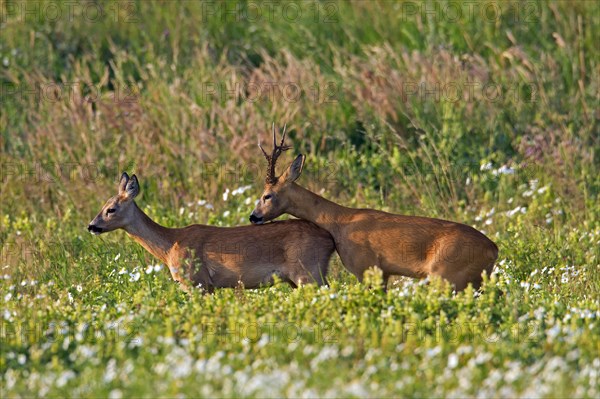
274,200
119,210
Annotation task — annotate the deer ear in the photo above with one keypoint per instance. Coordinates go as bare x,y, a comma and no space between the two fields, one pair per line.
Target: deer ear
133,188
294,170
123,182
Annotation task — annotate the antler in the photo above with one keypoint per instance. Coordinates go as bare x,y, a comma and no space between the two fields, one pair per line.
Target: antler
272,159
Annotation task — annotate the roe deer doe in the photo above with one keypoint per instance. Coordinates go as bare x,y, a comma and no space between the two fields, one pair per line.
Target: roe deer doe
399,245
296,251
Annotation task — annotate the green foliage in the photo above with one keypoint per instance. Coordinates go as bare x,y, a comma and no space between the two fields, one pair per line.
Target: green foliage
487,114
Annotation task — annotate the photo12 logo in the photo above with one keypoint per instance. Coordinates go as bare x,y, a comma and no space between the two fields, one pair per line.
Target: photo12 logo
273,91
61,331
54,92
471,11
68,11
270,11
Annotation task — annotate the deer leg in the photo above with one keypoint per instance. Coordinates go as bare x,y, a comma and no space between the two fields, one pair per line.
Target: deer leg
301,278
384,284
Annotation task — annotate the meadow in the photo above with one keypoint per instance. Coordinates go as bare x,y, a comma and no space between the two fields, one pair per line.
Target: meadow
480,112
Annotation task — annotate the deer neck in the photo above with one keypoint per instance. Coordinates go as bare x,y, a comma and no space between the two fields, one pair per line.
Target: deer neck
305,204
156,239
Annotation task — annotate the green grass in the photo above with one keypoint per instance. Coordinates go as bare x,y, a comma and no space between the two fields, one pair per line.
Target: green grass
370,100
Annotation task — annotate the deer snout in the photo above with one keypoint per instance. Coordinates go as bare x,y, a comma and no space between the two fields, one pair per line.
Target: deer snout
92,228
256,219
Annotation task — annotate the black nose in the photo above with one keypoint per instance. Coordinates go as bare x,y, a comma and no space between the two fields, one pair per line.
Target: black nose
255,219
94,229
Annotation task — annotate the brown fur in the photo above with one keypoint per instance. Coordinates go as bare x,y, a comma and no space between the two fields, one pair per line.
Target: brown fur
296,251
399,245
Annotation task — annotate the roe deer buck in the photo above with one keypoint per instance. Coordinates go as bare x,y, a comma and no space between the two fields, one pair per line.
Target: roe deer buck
296,251
399,245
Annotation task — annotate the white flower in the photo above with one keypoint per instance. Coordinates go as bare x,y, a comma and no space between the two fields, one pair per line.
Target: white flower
111,371
226,214
64,378
486,166
263,341
115,394
226,194
553,332
134,276
533,183
357,390
433,351
117,257
504,170
240,190
347,351
452,360
518,209
87,352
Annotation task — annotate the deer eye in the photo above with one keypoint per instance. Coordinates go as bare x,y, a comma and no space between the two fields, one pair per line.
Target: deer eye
111,210
267,197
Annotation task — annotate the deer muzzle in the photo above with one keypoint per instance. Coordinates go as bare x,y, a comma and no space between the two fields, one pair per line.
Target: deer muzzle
94,229
256,219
